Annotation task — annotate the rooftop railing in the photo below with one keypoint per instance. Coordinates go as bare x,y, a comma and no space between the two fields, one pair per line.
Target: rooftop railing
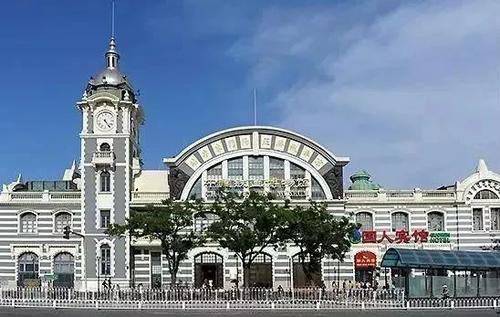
399,195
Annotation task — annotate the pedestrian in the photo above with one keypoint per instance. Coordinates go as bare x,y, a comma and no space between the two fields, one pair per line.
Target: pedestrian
444,292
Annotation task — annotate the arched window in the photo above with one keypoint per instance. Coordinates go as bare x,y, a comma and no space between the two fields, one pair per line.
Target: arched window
400,221
64,270
28,269
105,260
365,219
105,181
435,221
62,220
485,194
105,147
28,223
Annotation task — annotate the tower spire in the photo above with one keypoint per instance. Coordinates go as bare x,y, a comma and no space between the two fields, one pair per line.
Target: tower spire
112,55
112,19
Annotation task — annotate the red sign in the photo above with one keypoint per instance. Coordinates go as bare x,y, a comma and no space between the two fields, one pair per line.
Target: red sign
401,236
365,259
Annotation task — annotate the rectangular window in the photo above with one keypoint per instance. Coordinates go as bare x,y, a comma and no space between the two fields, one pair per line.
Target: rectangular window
495,218
105,218
276,168
105,181
255,168
155,269
477,219
235,168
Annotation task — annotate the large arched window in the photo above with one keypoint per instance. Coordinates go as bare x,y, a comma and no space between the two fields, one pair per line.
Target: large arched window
105,181
435,221
485,194
61,220
28,223
64,270
28,270
365,219
105,260
400,221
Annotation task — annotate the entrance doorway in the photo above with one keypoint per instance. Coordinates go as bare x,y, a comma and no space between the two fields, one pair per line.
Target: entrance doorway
300,279
208,270
365,263
260,273
64,270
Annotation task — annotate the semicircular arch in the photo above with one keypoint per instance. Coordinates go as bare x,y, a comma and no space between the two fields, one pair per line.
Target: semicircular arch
307,167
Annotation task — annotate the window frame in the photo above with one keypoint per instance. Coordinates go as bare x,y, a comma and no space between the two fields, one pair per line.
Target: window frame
483,227
443,214
54,222
101,259
107,189
371,215
100,226
407,217
491,218
20,223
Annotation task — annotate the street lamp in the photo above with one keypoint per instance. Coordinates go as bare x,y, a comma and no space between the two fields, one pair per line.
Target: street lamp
98,257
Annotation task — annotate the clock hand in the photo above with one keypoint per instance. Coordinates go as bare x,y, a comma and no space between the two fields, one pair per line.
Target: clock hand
109,126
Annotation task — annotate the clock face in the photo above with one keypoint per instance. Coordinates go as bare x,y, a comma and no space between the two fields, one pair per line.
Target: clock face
105,121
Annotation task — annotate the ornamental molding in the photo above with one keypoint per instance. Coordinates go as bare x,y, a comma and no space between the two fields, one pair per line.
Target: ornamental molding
484,184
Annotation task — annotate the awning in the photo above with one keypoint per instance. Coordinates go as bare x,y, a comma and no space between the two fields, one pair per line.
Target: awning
442,259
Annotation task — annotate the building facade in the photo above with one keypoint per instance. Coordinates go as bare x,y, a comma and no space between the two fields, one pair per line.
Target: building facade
109,181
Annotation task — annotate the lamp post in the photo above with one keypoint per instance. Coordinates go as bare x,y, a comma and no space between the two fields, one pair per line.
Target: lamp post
98,275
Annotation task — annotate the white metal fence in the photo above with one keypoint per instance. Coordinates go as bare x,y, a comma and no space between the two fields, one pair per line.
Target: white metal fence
203,299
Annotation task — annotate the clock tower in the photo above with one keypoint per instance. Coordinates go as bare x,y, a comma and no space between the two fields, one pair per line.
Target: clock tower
110,157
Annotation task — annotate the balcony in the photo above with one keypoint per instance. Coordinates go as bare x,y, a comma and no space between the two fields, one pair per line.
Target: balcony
106,158
148,197
45,196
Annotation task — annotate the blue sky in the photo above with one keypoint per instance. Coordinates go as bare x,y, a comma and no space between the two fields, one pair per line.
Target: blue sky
409,90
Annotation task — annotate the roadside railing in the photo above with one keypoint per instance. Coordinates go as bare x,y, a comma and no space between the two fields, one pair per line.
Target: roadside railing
219,299
203,294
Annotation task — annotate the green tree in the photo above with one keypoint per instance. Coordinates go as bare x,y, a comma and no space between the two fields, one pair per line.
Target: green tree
318,234
171,223
246,225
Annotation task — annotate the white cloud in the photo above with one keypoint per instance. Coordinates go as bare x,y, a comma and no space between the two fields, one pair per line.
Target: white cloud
411,93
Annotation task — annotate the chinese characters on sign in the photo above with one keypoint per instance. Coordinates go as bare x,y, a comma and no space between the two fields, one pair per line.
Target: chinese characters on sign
365,259
403,236
281,188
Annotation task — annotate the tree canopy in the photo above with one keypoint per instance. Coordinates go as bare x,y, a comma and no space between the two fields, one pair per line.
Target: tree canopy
247,225
318,234
171,223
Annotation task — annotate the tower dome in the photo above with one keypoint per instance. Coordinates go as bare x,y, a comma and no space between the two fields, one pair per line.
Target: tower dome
361,181
110,76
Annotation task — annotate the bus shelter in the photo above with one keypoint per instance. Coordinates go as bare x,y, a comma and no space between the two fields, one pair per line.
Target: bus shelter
424,273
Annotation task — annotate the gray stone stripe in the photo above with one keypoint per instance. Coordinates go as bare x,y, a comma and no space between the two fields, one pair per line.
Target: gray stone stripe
342,270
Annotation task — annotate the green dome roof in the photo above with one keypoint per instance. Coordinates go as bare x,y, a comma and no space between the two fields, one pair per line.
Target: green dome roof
361,181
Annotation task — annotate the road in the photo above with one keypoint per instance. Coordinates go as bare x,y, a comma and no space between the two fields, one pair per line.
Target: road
29,312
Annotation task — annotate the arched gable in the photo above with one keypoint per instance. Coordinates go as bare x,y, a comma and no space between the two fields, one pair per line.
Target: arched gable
255,141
